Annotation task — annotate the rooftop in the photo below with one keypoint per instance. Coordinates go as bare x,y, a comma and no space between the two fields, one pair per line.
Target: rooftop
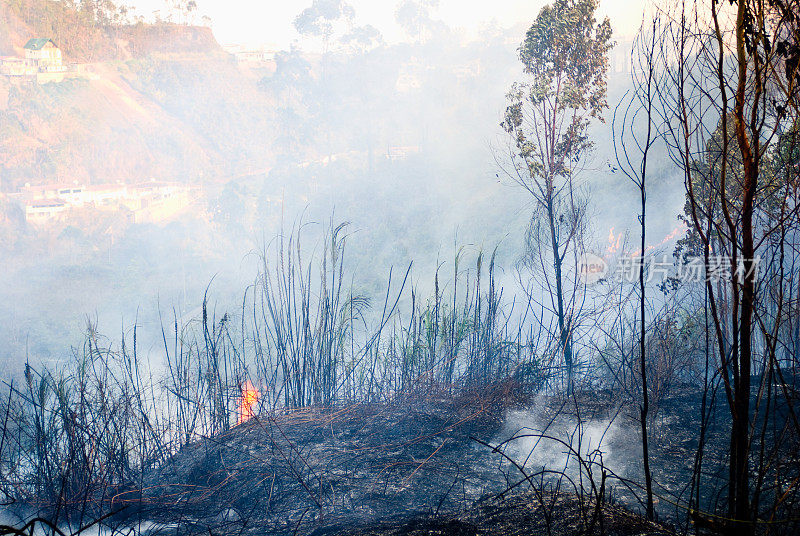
38,43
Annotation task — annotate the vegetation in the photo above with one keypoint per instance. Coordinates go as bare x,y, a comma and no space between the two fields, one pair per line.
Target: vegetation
565,55
739,212
709,363
101,30
77,437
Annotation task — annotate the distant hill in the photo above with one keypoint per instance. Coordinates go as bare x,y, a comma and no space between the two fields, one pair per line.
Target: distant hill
156,100
96,30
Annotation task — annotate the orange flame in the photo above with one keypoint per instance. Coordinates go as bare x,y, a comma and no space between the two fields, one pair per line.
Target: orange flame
248,401
676,234
614,242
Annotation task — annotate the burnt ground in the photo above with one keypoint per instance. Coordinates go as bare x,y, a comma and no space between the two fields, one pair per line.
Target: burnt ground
415,467
522,514
326,469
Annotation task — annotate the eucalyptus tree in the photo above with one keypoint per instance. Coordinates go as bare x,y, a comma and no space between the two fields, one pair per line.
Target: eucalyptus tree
332,22
416,19
565,59
323,18
732,92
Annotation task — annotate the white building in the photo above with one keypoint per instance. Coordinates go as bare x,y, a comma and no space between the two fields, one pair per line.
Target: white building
45,54
44,209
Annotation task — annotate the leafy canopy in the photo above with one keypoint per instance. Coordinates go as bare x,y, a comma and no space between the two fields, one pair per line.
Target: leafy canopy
565,57
566,54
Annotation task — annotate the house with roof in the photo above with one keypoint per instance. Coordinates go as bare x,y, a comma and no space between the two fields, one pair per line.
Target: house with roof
42,61
45,54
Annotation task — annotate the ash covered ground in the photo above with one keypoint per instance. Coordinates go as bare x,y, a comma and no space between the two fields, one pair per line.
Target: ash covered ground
422,466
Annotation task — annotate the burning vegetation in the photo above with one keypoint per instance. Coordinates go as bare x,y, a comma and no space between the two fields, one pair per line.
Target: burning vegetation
611,404
248,403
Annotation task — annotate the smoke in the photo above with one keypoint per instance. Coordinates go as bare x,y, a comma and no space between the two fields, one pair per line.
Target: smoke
396,139
560,444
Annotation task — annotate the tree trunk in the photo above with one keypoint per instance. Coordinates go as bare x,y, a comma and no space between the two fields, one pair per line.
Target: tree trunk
565,342
740,482
645,407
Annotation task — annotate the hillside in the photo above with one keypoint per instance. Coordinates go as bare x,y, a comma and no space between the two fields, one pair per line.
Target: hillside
95,31
159,100
414,467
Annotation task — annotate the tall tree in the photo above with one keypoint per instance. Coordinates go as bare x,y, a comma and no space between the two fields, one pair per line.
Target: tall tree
733,66
416,19
323,18
639,115
565,59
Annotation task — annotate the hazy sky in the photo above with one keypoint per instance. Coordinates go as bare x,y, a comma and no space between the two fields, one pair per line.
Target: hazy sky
269,22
